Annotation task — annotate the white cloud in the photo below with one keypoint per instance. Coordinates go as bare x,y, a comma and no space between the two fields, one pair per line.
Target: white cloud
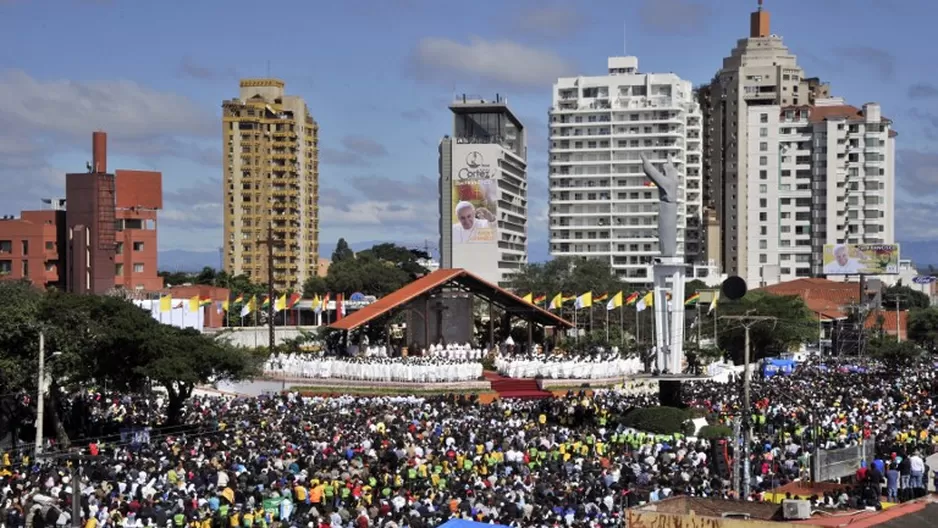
125,109
551,20
500,61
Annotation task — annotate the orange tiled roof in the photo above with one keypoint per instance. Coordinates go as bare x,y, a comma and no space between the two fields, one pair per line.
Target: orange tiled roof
890,324
435,280
823,297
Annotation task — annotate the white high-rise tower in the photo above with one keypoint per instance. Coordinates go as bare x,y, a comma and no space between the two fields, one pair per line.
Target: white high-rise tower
601,204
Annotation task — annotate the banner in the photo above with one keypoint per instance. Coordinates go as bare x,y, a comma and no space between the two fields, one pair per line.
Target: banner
861,259
475,194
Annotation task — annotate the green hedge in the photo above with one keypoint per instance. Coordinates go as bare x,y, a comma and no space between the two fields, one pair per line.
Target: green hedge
658,420
713,432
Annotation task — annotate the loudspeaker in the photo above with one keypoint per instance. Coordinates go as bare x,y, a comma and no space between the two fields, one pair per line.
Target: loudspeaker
734,288
670,393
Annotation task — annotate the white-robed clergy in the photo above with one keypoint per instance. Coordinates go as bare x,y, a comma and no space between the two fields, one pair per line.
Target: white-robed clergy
375,368
601,365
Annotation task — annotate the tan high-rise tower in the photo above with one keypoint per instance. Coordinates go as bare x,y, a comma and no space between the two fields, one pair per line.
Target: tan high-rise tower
271,179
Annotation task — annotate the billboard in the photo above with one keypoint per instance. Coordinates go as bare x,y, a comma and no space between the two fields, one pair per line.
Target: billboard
861,259
475,194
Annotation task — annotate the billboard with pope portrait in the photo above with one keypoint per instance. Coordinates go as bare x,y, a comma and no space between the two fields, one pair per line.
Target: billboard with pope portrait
861,259
475,194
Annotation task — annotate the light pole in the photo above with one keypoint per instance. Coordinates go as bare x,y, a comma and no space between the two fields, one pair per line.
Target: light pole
40,402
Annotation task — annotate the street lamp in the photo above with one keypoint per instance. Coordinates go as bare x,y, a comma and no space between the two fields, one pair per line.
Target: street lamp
40,403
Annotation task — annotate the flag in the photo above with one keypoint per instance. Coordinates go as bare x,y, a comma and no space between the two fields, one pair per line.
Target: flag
647,300
540,299
166,303
631,299
584,301
194,304
529,298
556,302
568,298
316,303
178,305
205,301
281,303
239,299
325,302
713,303
221,307
649,184
600,298
225,305
266,303
693,299
615,302
295,298
250,306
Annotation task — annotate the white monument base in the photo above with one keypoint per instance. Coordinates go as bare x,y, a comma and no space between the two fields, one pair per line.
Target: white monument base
669,316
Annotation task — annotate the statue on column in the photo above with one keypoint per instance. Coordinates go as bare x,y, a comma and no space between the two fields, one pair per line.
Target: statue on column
667,184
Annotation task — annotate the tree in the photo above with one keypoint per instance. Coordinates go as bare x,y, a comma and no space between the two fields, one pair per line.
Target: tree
893,353
923,328
342,252
908,298
795,325
314,285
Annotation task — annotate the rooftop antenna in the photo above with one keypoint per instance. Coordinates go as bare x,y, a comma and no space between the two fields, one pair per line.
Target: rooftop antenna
760,5
625,38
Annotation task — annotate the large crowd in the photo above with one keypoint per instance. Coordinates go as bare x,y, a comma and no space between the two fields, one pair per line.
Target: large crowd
296,461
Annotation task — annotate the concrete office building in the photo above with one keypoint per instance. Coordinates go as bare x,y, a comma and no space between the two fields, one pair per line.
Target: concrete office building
601,204
824,174
270,181
484,190
760,71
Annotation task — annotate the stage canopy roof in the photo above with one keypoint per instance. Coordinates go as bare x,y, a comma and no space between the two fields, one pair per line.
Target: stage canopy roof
455,278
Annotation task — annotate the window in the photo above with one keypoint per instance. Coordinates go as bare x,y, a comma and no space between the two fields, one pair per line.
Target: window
50,245
6,267
118,269
50,267
763,217
138,246
763,175
120,248
763,203
25,268
763,244
138,267
763,146
763,188
763,160
763,118
763,132
26,247
763,258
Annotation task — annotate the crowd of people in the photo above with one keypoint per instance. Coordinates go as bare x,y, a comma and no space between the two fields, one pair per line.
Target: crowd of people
600,365
422,369
294,460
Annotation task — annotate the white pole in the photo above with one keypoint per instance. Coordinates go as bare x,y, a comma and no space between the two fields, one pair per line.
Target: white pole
898,328
40,411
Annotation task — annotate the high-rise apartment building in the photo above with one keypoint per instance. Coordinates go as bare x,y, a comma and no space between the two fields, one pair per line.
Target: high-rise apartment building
601,204
760,71
484,190
271,184
823,174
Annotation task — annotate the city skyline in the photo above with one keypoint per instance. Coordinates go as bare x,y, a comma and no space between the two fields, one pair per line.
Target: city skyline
381,114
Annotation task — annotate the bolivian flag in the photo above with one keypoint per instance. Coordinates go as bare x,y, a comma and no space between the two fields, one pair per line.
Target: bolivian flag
540,299
693,299
266,302
205,301
601,297
631,299
239,299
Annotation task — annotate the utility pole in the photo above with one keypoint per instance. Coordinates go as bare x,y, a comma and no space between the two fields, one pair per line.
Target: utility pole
736,455
747,321
270,241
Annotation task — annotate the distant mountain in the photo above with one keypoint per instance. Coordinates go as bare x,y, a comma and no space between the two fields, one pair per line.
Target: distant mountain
177,260
922,253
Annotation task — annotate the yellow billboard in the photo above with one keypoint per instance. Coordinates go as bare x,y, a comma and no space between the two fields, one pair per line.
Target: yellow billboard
475,194
861,259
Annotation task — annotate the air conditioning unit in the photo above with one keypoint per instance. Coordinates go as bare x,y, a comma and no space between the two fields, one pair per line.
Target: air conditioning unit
796,509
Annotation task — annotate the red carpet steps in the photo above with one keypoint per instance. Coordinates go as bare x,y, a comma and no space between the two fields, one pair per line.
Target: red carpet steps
515,387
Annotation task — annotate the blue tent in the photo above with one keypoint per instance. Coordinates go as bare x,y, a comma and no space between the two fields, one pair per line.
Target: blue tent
462,523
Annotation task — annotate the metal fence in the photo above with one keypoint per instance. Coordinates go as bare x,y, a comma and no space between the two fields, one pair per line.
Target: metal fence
832,464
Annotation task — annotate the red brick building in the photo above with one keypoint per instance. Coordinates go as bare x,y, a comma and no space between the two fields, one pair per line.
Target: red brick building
30,247
102,236
139,197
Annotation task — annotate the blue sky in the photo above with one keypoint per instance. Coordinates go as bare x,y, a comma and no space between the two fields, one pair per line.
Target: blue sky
378,75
